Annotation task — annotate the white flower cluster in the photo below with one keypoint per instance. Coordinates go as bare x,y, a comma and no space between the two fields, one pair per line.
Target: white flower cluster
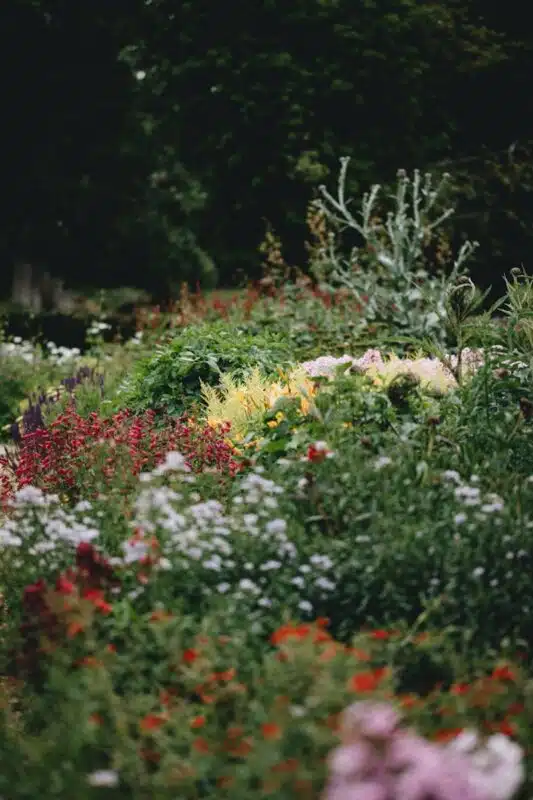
19,348
62,355
244,552
470,497
98,327
38,524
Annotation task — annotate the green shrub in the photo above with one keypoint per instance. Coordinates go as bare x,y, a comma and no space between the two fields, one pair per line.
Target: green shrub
172,378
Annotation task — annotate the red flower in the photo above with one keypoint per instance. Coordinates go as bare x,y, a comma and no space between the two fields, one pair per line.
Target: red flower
503,673
227,675
380,634
367,681
74,628
198,722
201,746
460,688
271,731
64,586
190,656
447,734
505,727
96,597
152,722
318,452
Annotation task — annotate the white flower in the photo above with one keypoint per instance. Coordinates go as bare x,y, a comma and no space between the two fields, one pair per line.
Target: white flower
271,565
276,526
451,475
468,495
497,769
174,462
381,462
101,778
140,75
459,519
247,585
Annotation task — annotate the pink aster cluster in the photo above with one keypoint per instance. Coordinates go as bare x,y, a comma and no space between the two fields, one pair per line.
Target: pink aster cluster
378,759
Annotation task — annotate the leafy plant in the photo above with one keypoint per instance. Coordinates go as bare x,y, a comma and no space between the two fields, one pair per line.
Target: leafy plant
171,380
389,266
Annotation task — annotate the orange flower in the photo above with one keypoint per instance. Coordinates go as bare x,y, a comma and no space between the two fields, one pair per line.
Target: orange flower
89,661
234,732
160,616
74,628
228,675
205,698
409,701
505,727
503,673
459,688
190,656
361,655
166,696
271,731
198,722
201,746
96,597
96,719
329,652
289,631
242,748
367,681
380,634
290,765
151,722
447,734
300,632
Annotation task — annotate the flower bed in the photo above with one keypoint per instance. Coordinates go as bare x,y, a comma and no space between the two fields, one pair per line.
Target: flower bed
235,563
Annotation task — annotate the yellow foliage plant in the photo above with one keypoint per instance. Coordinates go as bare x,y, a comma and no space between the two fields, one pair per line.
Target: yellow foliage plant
243,403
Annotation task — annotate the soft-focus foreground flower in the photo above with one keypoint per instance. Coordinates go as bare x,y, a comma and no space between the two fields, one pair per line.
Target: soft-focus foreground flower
380,760
497,763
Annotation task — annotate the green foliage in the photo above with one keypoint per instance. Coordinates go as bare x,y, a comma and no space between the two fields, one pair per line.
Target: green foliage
388,267
172,378
178,709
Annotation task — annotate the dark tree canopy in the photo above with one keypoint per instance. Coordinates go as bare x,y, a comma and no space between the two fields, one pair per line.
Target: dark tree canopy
237,112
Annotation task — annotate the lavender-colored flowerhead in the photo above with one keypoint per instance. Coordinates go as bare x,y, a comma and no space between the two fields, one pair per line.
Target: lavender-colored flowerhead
374,721
380,760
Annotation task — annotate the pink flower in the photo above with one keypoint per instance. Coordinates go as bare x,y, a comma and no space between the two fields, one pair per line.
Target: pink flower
380,760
